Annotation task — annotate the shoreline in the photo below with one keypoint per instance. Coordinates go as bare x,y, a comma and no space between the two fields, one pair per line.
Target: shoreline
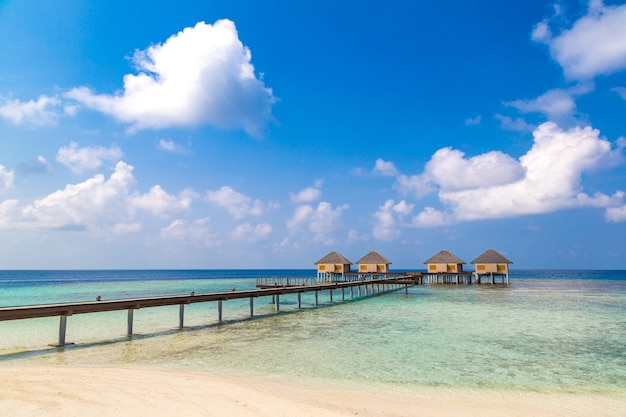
144,391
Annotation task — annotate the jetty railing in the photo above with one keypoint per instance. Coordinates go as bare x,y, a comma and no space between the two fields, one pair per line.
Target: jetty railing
65,310
262,282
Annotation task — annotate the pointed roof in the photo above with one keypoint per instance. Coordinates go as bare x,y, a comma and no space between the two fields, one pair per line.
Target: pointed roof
334,258
490,256
444,257
373,258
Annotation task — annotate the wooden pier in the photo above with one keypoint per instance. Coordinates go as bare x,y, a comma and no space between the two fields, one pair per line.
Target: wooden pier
362,288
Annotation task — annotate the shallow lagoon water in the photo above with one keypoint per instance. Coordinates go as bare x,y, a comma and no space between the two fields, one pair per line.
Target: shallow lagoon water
549,331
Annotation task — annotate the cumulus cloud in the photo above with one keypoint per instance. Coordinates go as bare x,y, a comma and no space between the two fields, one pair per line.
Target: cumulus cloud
320,221
616,214
99,205
546,179
449,170
237,204
594,45
385,168
159,203
308,194
80,206
6,179
196,233
387,218
90,158
201,75
41,112
251,234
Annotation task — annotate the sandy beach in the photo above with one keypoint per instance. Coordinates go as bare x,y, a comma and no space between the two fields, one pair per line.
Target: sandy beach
123,391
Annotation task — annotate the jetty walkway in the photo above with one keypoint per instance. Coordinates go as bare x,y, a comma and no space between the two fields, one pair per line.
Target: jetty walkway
270,287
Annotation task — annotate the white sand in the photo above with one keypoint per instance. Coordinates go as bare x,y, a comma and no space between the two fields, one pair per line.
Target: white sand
70,391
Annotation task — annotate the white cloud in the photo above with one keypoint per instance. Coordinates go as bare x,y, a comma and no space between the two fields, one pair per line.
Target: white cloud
431,217
516,125
558,105
449,170
159,203
201,75
452,171
552,179
42,112
9,214
385,168
616,214
87,205
320,221
169,146
554,104
237,204
250,233
82,159
387,218
197,233
307,195
594,45
6,179
126,228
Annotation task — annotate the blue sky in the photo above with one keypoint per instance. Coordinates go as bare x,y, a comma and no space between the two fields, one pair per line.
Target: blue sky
246,134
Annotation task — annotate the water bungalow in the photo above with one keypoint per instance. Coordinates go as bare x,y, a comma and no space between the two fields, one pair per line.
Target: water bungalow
332,265
447,267
373,262
492,264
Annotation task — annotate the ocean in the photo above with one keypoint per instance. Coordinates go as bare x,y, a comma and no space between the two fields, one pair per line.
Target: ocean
548,331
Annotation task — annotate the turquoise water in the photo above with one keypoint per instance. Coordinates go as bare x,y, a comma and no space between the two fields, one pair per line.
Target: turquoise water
549,331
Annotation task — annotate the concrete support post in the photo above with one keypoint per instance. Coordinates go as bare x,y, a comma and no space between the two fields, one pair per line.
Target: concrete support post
299,300
131,313
277,303
251,307
62,329
331,295
316,298
219,311
181,316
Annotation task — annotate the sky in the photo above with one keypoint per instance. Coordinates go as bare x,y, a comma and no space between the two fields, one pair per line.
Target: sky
246,134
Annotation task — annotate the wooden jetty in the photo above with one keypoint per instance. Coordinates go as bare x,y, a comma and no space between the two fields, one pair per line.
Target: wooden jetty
363,287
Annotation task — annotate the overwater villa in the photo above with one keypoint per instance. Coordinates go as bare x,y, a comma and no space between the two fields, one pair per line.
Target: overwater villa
492,264
373,262
332,265
447,267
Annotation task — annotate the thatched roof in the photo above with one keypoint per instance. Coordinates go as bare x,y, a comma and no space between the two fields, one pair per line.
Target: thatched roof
334,258
444,257
373,258
491,257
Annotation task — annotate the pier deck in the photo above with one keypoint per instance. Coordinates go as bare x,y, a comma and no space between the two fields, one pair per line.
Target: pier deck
65,310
